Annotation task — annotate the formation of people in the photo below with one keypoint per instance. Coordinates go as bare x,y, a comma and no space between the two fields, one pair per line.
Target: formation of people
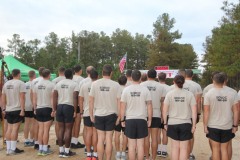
140,111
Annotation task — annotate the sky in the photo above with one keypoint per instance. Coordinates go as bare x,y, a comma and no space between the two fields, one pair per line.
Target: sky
37,18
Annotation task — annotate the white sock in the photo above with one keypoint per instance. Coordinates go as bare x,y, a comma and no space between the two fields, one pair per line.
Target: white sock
72,140
61,149
123,153
75,140
164,148
95,154
36,142
159,147
67,150
40,147
45,148
89,154
26,140
118,153
91,147
8,145
13,145
191,154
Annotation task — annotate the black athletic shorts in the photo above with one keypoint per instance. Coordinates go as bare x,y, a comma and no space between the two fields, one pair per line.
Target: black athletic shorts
13,117
87,122
119,127
180,132
29,114
136,128
105,123
156,122
44,114
65,113
219,135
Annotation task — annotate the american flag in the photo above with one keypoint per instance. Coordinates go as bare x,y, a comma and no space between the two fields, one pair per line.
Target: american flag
122,63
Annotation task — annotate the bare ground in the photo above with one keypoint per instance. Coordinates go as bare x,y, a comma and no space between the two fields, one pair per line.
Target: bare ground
201,148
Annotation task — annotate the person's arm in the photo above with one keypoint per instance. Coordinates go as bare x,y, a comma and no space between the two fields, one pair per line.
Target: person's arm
119,111
122,113
3,102
91,106
194,117
81,100
206,111
164,113
75,102
55,99
22,103
235,110
161,108
150,112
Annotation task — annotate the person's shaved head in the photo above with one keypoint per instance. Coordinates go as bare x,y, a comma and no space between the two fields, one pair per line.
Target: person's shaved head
89,69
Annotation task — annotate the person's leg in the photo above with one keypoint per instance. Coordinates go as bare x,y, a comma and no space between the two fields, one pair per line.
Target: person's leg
46,129
147,144
224,151
76,129
117,142
100,144
191,144
56,131
40,135
184,154
124,145
67,136
35,133
31,130
26,129
140,148
8,136
88,139
14,135
94,141
164,142
60,134
175,147
216,150
132,144
230,149
5,127
109,137
154,137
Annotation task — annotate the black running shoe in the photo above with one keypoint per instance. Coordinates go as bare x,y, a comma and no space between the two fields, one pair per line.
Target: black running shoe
60,155
36,146
17,151
70,154
80,145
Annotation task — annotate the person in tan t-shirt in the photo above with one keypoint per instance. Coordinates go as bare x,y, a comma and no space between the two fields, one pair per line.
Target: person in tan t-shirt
220,117
162,136
42,102
103,100
158,94
180,105
13,101
136,104
90,138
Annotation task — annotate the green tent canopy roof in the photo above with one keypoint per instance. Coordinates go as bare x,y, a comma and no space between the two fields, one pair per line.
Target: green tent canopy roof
13,63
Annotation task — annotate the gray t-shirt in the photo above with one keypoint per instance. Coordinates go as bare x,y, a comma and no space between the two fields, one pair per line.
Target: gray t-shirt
28,102
84,92
12,90
58,79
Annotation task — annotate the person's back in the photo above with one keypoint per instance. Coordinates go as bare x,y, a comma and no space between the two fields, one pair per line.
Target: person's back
105,92
65,90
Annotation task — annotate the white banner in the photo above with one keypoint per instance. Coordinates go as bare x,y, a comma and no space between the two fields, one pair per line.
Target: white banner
169,73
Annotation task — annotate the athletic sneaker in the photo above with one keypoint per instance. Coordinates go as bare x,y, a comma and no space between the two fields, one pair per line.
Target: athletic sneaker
66,155
118,157
159,153
89,158
210,158
28,144
17,151
45,153
123,157
39,153
60,155
192,157
94,158
164,154
85,150
81,145
36,146
126,150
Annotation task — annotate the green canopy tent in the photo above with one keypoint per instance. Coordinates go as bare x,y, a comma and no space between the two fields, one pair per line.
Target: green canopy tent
13,63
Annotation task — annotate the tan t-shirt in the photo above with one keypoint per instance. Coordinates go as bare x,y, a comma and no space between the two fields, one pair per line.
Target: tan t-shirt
77,79
180,103
58,79
129,83
157,92
105,93
206,89
136,96
65,89
84,92
12,90
190,86
221,101
36,80
196,85
85,80
167,87
28,102
44,90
